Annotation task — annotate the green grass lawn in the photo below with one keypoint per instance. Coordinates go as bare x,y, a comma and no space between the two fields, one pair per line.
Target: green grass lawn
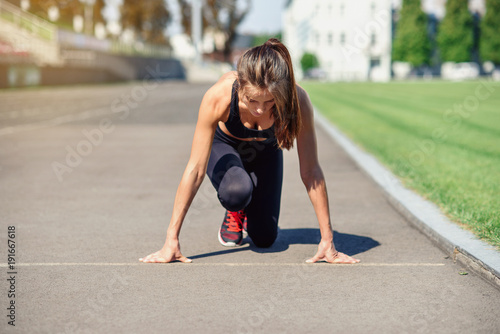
441,138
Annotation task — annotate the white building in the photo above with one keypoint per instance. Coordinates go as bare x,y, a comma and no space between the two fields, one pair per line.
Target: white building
351,38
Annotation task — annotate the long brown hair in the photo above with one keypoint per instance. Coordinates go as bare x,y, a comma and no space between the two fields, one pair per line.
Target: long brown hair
269,66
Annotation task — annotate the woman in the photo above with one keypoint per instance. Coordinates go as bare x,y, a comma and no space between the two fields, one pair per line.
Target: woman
244,122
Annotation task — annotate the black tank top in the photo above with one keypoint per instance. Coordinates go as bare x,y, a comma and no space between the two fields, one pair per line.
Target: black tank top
236,127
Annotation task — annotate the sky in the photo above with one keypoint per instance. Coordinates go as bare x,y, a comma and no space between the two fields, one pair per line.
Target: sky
265,16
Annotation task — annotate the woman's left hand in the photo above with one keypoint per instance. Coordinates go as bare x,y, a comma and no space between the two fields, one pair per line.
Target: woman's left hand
327,252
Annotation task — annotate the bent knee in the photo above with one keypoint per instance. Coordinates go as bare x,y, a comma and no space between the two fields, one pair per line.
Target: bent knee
264,241
235,190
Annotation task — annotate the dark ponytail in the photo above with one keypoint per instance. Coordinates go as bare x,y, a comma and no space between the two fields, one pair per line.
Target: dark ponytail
269,66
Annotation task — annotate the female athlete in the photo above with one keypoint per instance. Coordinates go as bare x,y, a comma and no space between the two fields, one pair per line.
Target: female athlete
245,121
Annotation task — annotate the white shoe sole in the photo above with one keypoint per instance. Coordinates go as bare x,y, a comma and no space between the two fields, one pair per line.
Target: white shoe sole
230,243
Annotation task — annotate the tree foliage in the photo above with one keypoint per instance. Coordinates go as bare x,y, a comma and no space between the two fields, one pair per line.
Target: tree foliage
456,32
15,2
41,7
222,16
67,10
185,7
148,19
261,39
71,8
308,61
489,45
411,42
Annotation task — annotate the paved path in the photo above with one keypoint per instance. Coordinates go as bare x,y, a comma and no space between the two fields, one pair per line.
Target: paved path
88,175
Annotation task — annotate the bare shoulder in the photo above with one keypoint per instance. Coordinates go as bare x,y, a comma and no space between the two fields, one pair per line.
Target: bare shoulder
229,77
224,84
218,97
306,107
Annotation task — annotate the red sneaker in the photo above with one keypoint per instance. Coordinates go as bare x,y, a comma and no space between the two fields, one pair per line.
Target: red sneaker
245,231
231,231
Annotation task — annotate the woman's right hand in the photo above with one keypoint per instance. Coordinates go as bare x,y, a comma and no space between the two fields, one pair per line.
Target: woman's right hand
169,253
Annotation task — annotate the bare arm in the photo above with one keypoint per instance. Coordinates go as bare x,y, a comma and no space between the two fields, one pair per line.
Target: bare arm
314,181
212,110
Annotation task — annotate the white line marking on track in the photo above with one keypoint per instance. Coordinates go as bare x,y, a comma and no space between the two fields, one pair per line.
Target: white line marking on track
48,264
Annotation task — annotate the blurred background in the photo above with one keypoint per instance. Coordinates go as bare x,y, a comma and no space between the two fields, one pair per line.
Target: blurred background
415,83
44,42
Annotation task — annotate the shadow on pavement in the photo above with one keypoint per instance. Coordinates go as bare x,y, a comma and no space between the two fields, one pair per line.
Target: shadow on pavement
222,252
349,244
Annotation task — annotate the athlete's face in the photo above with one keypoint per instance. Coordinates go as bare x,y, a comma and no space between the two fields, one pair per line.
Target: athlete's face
258,101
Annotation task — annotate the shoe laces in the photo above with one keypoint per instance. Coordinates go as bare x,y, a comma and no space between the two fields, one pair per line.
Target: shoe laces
234,220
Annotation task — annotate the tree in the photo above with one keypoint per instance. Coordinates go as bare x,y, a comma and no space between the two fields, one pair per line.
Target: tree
185,7
97,16
308,61
148,19
221,16
16,3
411,42
156,17
456,32
261,39
489,45
68,9
41,7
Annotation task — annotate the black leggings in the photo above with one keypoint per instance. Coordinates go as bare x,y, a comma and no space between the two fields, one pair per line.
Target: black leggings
249,175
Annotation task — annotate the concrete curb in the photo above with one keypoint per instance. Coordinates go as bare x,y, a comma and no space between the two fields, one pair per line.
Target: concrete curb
461,245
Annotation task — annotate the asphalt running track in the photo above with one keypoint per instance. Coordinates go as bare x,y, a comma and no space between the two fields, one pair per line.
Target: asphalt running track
88,175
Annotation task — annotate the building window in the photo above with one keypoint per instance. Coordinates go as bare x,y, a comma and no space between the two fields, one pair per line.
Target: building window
373,7
374,62
342,38
342,9
330,39
318,38
373,39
